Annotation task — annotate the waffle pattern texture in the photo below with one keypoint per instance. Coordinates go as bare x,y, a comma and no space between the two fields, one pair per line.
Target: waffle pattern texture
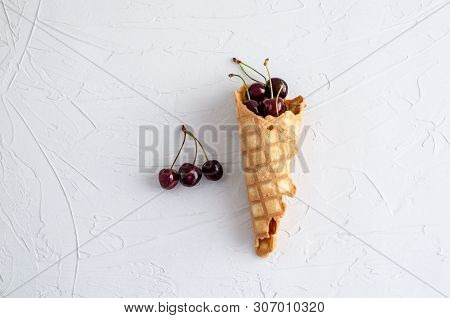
268,146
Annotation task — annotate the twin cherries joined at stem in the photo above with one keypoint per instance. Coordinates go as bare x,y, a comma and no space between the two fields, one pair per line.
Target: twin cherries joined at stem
189,174
260,96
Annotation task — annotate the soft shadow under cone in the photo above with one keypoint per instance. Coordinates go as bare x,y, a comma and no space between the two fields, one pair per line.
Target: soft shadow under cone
268,146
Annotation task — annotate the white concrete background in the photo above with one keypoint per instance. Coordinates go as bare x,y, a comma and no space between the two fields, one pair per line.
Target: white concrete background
78,78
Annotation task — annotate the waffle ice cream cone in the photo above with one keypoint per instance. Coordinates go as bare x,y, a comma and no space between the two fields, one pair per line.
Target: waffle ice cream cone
268,146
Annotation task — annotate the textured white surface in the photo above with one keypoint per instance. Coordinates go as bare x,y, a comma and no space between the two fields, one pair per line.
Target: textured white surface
77,81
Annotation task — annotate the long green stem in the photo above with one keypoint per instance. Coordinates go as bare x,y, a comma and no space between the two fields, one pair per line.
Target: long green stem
182,145
245,84
278,95
195,156
196,141
235,60
266,61
201,146
248,75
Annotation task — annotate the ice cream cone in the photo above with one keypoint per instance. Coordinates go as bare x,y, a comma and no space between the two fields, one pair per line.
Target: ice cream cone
268,146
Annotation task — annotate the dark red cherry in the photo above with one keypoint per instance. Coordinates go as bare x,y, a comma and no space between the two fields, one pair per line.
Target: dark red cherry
271,107
276,85
168,178
190,174
212,169
252,106
261,109
257,91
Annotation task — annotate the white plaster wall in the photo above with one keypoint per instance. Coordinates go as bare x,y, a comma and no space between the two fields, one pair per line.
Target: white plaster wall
78,78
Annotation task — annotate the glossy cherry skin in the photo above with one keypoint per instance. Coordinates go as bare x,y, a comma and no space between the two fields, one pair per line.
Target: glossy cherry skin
276,84
252,106
257,91
212,169
270,107
190,174
168,178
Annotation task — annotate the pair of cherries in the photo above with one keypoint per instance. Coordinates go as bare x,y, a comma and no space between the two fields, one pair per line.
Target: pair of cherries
260,95
189,174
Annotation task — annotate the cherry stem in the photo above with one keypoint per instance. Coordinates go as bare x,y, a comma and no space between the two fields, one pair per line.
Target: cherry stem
201,146
195,156
182,145
196,141
278,95
237,61
245,84
266,61
248,75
